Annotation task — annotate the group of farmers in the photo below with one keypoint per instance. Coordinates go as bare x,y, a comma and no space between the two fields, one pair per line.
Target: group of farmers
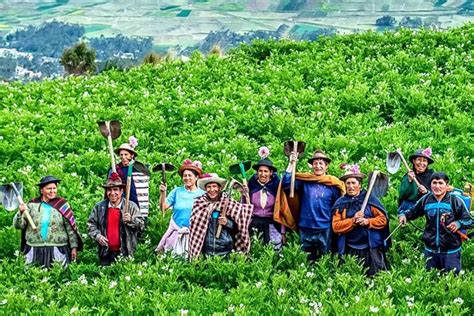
331,215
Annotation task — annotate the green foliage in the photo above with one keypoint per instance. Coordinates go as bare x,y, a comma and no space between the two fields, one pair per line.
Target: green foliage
356,97
79,59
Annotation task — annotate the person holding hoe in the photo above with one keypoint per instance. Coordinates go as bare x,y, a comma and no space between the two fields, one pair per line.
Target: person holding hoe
447,218
57,237
181,199
410,191
311,211
113,226
218,223
263,188
138,177
361,227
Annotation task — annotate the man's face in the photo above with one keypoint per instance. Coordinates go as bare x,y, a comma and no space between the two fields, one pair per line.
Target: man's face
213,190
125,157
420,163
352,186
263,174
320,167
114,194
49,191
439,187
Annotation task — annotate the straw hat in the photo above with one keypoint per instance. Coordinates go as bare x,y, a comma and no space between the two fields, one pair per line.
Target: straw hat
191,165
319,154
351,171
210,178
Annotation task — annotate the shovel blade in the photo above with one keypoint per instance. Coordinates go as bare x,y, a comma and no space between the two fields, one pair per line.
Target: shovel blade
8,196
235,168
163,167
289,145
393,162
380,187
114,129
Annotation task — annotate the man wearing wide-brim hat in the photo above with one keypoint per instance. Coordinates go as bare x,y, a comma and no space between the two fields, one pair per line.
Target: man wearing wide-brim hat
360,232
214,209
114,228
310,211
139,188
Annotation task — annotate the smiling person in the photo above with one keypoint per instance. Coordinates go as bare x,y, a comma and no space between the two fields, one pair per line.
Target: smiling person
360,233
181,200
311,211
213,210
409,193
57,237
139,189
446,216
263,187
113,228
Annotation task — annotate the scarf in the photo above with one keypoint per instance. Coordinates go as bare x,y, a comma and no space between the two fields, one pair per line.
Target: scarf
202,209
287,209
424,177
271,186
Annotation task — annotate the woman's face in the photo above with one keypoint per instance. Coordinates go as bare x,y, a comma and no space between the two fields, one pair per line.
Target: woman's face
352,186
125,157
189,178
49,192
420,164
264,174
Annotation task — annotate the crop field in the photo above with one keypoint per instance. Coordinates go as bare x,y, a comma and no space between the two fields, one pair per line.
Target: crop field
356,96
185,23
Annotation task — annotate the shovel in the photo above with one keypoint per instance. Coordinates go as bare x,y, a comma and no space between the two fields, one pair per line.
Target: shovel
241,168
129,184
378,183
231,185
11,198
292,146
393,163
110,130
163,167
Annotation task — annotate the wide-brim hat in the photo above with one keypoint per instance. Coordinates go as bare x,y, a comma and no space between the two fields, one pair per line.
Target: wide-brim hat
127,147
190,165
210,178
346,176
265,162
319,154
113,181
47,180
425,153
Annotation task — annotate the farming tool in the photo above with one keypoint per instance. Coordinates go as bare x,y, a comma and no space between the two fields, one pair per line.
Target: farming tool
163,167
231,185
129,184
110,130
393,163
11,199
378,184
294,147
242,168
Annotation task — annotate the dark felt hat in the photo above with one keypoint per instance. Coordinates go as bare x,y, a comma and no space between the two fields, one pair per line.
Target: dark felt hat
425,153
319,154
265,162
113,181
47,180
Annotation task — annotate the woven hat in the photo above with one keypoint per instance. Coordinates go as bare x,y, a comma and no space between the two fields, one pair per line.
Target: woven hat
351,171
210,178
264,152
190,165
113,181
425,153
319,154
47,180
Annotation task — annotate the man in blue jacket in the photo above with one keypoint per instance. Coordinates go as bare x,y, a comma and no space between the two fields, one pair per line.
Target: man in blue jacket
446,218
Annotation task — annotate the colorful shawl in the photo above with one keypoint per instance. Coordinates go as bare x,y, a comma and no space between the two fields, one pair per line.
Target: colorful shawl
287,210
202,209
62,206
271,186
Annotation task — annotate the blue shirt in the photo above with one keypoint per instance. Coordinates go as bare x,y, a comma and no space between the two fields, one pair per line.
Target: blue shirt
316,202
181,200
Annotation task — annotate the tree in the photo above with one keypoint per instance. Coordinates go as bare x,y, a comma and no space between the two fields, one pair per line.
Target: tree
79,59
386,20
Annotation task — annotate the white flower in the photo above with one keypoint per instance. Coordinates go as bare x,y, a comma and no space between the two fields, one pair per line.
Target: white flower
373,309
16,253
408,280
83,279
112,284
458,300
44,280
389,289
34,297
127,278
309,274
140,273
281,291
183,311
303,300
3,302
241,306
329,290
346,304
258,284
73,310
357,299
231,308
